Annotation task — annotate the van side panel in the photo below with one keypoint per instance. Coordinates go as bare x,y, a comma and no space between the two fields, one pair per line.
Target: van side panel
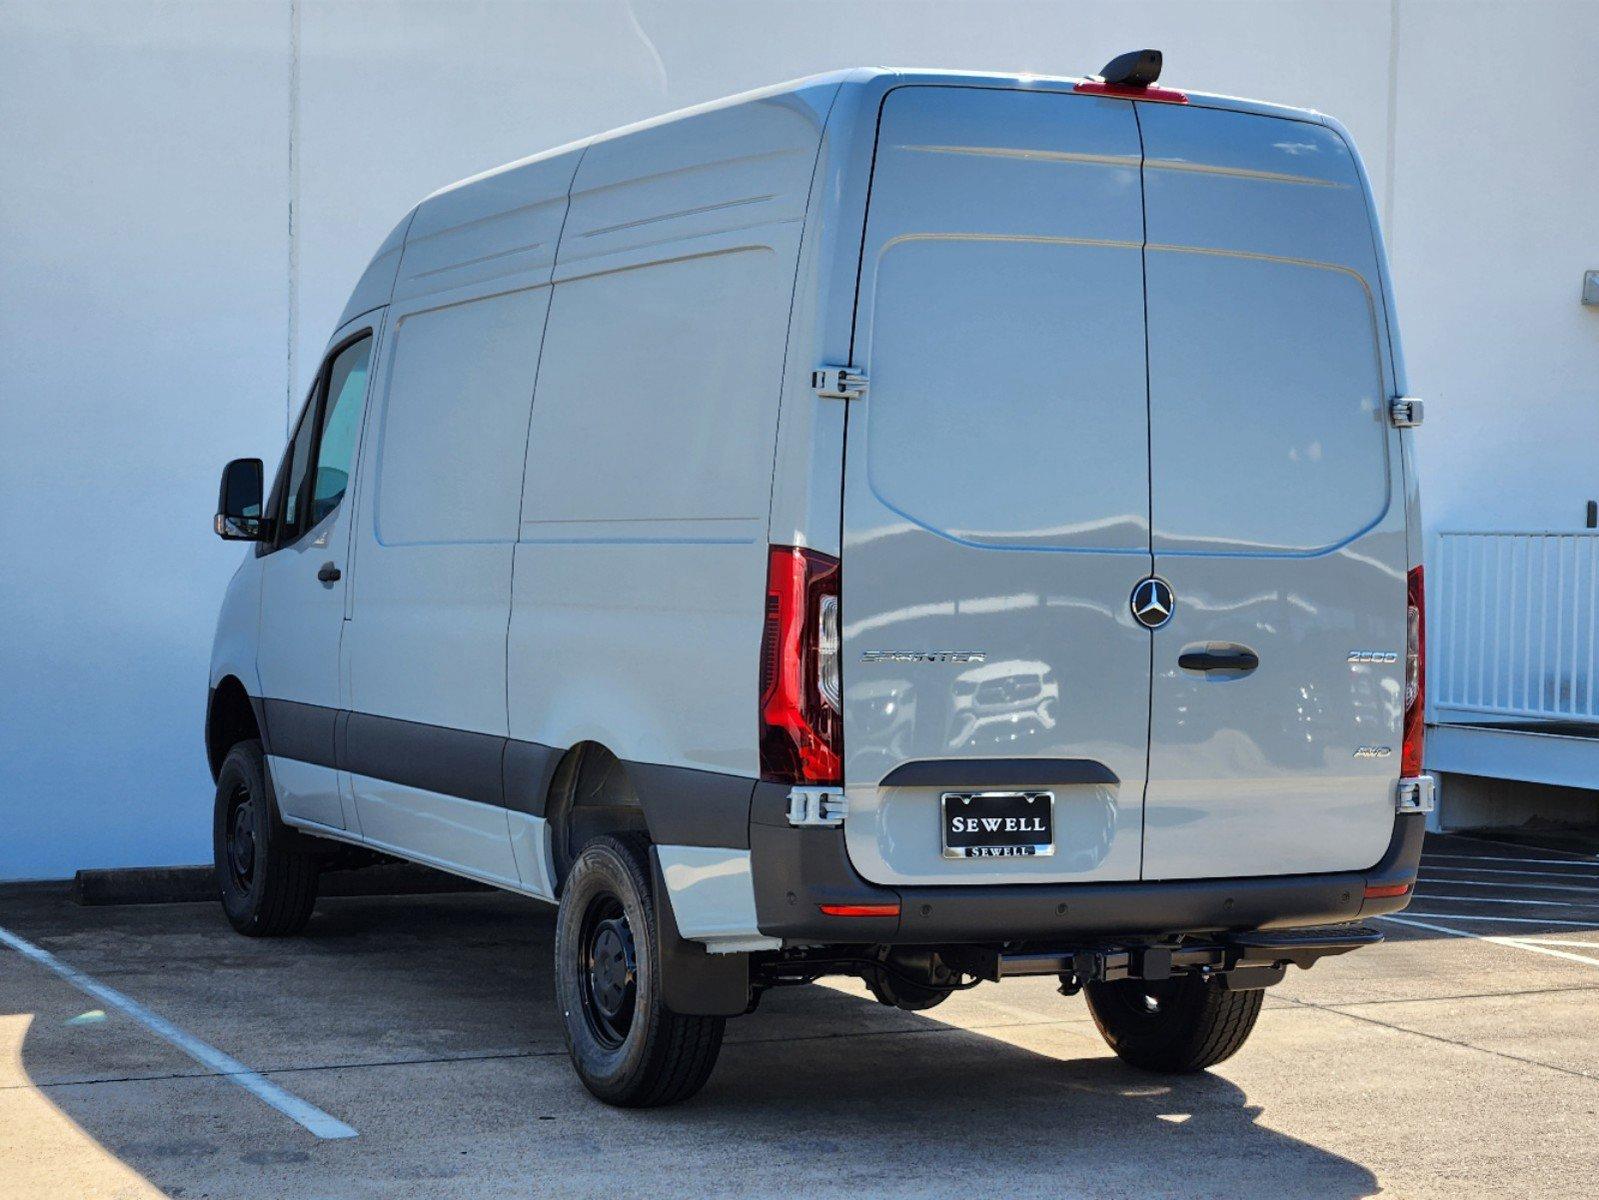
640,570
427,641
440,497
808,472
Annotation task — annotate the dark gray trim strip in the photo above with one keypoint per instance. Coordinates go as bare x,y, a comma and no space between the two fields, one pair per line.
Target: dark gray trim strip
683,806
999,772
525,775
341,737
452,762
301,731
258,708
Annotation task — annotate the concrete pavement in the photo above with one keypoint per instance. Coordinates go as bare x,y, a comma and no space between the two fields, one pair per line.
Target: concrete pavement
1457,1059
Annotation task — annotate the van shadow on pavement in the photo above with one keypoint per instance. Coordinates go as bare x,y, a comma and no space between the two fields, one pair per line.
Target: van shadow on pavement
428,1023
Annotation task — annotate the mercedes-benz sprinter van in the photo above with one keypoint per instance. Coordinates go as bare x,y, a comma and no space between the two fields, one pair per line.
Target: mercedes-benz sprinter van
930,527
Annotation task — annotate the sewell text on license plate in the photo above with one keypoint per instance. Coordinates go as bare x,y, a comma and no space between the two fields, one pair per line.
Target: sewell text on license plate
998,824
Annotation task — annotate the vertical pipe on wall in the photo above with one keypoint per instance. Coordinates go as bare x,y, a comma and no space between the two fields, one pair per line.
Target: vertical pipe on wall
1393,125
294,203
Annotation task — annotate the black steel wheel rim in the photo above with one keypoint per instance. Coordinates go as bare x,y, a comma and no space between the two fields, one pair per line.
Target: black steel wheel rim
608,973
241,838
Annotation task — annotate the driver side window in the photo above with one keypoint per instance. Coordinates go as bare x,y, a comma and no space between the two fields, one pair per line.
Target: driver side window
289,488
341,425
315,471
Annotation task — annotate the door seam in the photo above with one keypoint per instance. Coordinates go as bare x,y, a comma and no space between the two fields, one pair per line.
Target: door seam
1149,484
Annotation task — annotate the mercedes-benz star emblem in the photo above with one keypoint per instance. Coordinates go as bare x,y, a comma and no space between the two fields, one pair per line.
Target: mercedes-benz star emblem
1152,602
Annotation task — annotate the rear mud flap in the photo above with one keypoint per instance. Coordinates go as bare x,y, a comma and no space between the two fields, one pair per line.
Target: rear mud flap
694,982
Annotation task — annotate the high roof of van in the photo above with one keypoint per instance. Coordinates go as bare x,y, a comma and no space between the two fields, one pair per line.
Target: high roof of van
881,79
845,101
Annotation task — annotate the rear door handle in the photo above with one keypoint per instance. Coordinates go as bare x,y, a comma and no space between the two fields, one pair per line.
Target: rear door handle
329,573
1219,656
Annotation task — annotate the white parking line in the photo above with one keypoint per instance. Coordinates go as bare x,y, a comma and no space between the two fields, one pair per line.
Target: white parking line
291,1106
1532,861
1432,866
1514,887
1514,943
1482,917
1502,900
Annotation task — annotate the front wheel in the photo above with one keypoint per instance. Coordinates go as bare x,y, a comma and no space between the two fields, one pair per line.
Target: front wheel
629,1049
1174,1026
267,879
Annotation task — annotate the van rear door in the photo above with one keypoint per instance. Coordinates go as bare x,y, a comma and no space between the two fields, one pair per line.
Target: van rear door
996,491
1277,502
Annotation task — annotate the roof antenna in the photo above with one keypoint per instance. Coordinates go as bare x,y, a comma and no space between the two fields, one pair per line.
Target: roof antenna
1136,68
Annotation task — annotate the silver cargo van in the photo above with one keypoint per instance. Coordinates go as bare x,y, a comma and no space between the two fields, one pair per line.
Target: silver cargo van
928,527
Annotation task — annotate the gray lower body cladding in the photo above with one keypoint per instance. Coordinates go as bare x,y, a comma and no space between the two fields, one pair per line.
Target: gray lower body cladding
683,806
796,871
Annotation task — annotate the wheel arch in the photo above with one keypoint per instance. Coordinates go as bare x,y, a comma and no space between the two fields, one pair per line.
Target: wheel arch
591,793
232,716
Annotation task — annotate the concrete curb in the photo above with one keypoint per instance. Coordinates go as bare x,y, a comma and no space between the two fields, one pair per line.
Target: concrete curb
183,885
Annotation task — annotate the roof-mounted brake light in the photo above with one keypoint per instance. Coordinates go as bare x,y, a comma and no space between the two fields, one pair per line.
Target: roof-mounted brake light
1132,75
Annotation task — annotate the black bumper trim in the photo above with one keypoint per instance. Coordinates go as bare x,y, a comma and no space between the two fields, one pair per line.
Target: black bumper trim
797,870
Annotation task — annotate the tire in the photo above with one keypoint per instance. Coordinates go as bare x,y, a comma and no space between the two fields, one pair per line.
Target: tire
266,878
627,1047
1177,1026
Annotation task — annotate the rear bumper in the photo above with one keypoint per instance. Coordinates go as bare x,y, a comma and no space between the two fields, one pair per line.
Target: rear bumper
796,871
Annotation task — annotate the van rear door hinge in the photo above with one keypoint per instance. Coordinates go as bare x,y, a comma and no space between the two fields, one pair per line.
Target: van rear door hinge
838,383
810,806
1416,794
1405,412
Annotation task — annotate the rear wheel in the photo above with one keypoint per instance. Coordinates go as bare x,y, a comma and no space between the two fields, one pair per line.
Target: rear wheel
1175,1026
629,1049
267,880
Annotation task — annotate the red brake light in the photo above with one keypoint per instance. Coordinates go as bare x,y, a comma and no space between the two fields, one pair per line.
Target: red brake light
801,726
1415,673
1099,87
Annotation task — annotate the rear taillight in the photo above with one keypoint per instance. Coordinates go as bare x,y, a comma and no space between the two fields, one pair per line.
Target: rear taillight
1415,673
802,727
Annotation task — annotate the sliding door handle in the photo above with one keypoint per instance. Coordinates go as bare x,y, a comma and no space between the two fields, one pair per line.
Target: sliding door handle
1219,656
329,573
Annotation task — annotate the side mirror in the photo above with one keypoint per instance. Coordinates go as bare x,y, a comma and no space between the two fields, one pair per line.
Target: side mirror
239,502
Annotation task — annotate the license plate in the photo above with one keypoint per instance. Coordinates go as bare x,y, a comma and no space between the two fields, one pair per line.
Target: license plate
998,824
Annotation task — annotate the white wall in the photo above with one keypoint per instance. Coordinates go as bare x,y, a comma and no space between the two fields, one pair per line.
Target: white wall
1495,216
157,315
143,301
